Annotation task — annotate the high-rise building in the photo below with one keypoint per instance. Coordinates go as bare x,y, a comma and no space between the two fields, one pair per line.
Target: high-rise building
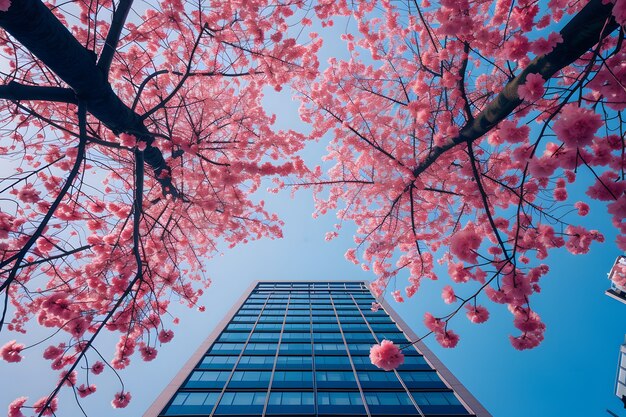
301,349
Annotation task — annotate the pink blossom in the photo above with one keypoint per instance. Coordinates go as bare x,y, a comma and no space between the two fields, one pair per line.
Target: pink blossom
148,353
532,89
618,207
447,339
386,356
28,194
576,126
97,368
458,272
465,243
10,352
542,167
128,140
411,290
121,399
58,305
607,188
526,320
433,324
516,47
619,10
583,208
6,224
618,273
477,314
375,306
350,255
560,194
46,410
16,406
580,239
397,296
448,294
165,336
510,132
4,5
44,245
58,363
497,296
69,378
85,390
544,46
77,327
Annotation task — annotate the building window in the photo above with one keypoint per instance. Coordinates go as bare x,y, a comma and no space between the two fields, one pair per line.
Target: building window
388,398
394,336
298,326
242,399
269,326
259,337
296,335
251,376
420,376
327,336
295,360
240,326
379,376
293,376
332,360
360,347
226,347
256,360
233,337
330,347
435,398
295,347
218,361
192,403
334,376
339,398
212,376
355,327
291,398
261,347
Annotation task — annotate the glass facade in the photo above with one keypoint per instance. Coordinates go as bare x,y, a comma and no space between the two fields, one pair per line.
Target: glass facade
301,349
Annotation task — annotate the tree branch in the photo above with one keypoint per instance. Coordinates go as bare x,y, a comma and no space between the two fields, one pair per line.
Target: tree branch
113,37
18,92
32,24
590,26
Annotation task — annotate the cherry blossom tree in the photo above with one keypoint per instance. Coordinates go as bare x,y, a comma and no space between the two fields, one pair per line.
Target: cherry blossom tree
134,136
457,128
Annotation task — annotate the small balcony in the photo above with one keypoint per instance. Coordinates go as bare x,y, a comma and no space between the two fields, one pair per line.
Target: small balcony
617,276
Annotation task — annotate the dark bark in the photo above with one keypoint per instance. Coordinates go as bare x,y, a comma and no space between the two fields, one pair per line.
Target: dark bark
33,25
592,24
18,92
113,37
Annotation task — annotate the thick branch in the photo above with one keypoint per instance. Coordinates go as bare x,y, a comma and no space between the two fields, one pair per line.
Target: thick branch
592,24
34,26
113,37
17,92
